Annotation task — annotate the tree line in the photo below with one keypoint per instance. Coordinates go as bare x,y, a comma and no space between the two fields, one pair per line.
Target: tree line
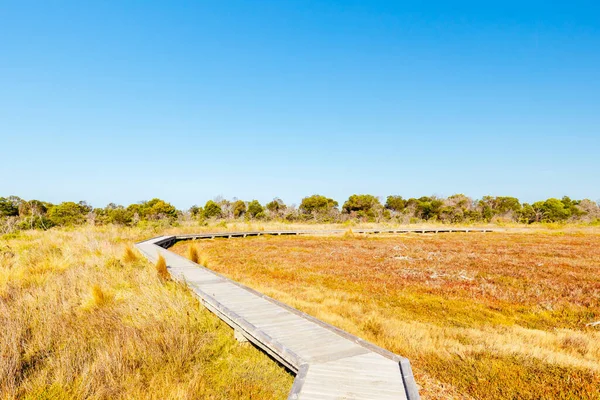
17,213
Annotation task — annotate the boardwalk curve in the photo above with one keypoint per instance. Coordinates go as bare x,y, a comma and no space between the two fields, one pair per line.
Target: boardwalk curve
329,363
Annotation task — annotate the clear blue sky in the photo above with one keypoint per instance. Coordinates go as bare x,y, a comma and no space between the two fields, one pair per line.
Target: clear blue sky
128,100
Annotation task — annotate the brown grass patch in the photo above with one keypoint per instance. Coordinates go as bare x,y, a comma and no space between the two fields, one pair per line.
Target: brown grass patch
129,255
193,253
99,297
161,269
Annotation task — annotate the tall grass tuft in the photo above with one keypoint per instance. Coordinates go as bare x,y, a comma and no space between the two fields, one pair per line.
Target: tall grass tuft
204,260
161,269
99,297
129,256
193,253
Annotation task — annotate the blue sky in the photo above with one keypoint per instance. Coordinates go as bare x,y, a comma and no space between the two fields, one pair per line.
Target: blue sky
128,100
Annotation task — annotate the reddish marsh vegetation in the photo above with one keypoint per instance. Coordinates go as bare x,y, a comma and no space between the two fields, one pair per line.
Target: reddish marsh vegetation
497,315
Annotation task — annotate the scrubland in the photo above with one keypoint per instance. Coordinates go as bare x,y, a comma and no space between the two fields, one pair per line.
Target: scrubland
484,316
84,316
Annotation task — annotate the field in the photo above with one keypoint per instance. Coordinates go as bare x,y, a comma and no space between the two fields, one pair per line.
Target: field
482,316
83,317
485,316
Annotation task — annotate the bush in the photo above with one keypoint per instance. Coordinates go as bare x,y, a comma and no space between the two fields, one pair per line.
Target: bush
552,210
195,211
212,210
395,203
277,206
36,222
317,204
159,209
120,216
361,202
8,208
426,208
239,208
255,208
68,213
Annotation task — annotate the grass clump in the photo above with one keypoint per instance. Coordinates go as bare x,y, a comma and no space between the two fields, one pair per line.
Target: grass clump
129,255
99,297
161,269
204,261
193,254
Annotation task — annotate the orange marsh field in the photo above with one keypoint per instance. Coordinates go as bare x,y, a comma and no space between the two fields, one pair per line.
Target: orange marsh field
484,316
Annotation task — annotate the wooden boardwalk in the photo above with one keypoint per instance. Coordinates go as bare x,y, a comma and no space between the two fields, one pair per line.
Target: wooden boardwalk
329,363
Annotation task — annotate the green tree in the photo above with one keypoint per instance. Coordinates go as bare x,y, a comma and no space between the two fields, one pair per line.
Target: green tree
572,206
255,209
395,203
158,209
276,207
361,202
362,205
457,208
68,213
506,205
195,211
316,204
239,208
427,208
552,210
119,215
212,210
8,208
486,207
527,214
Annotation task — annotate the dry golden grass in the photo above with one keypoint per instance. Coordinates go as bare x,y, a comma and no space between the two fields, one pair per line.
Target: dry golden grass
193,253
161,269
485,316
83,316
129,256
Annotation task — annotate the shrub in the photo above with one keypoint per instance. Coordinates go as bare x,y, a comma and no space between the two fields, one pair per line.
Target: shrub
255,208
161,269
159,209
426,208
195,211
527,214
119,216
212,209
68,213
317,204
552,210
395,203
365,203
36,222
33,208
239,208
8,208
276,206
